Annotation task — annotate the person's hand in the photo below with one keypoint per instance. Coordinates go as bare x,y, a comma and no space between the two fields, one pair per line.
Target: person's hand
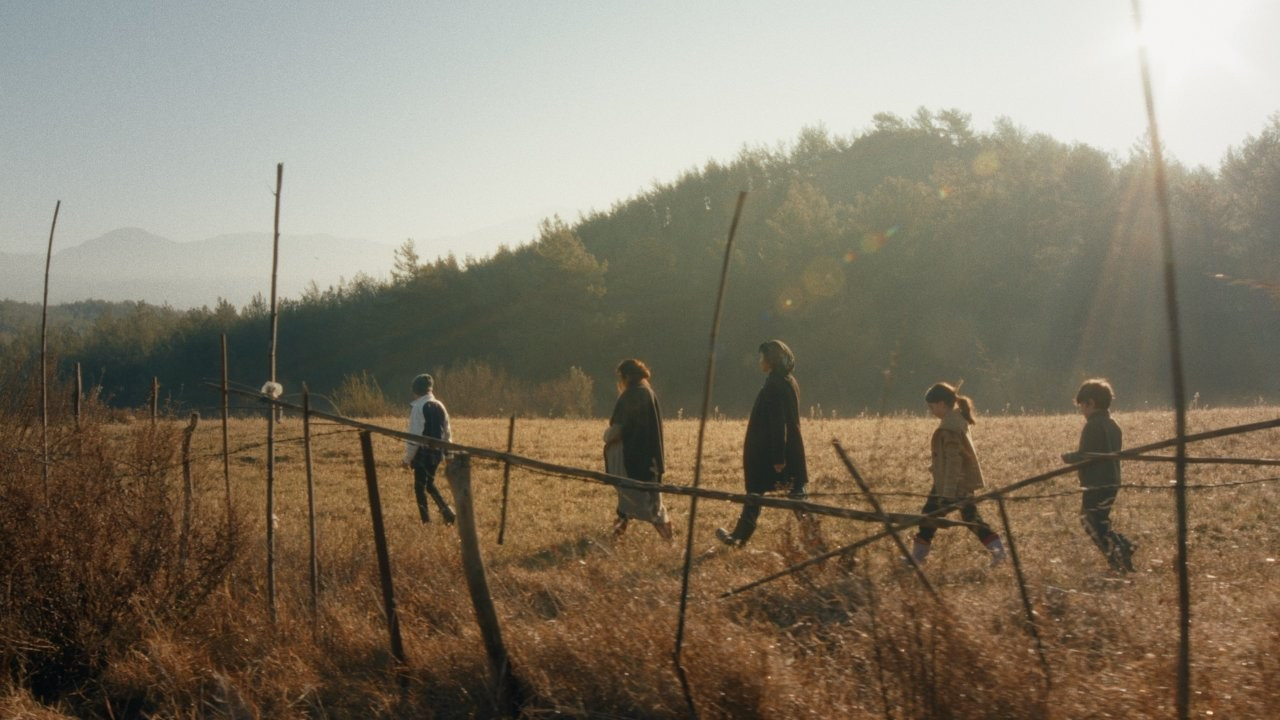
778,467
404,463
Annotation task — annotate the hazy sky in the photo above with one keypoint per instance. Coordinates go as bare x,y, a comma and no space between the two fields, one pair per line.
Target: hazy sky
423,119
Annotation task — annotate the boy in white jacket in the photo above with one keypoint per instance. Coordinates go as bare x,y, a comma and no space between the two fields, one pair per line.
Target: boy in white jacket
427,417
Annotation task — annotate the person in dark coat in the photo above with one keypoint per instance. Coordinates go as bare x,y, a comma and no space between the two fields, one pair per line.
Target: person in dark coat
633,448
1100,480
773,450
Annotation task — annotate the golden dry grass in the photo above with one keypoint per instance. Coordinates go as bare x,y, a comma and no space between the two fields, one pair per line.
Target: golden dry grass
590,622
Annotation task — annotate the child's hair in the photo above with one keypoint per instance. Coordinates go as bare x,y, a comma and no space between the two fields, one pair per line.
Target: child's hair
422,384
779,356
632,371
1098,390
946,393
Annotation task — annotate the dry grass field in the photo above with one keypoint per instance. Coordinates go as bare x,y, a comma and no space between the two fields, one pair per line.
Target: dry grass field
590,621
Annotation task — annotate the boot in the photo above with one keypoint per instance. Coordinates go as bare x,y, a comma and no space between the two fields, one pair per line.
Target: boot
1120,554
727,538
446,512
996,548
666,530
620,526
920,549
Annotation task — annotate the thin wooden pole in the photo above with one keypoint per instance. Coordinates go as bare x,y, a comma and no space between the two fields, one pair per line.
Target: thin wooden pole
77,396
155,399
1032,626
44,354
226,416
506,479
380,545
1175,367
888,523
188,493
311,511
697,463
506,688
272,409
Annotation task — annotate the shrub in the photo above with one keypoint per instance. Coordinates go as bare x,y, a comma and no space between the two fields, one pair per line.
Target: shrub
361,396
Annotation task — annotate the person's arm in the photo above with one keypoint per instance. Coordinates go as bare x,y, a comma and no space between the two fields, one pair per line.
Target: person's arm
415,428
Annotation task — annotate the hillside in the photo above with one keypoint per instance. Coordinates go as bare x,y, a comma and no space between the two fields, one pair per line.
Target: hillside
919,249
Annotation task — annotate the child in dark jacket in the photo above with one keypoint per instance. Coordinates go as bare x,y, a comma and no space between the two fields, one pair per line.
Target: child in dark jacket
1100,479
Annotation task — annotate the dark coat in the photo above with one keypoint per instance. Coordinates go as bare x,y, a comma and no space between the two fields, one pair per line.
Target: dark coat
773,438
640,418
1101,434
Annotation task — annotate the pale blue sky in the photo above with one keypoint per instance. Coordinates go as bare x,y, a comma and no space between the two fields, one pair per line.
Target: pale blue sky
423,119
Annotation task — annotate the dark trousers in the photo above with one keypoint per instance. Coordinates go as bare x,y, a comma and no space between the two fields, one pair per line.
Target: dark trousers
424,484
810,531
968,513
1095,515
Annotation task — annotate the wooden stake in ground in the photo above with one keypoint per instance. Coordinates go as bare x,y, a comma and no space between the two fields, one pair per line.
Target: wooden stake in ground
226,412
77,396
697,462
188,493
380,545
155,399
311,510
506,479
44,369
271,409
506,689
1161,187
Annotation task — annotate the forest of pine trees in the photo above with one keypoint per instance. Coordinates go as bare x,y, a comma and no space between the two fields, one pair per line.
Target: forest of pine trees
916,250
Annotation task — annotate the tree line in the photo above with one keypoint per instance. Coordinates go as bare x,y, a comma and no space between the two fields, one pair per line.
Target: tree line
915,250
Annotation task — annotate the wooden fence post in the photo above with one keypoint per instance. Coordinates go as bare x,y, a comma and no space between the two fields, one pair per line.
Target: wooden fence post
226,412
155,399
506,479
77,395
506,689
44,370
311,510
187,493
380,545
1022,588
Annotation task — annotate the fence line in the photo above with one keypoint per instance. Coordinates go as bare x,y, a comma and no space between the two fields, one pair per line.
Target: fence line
993,494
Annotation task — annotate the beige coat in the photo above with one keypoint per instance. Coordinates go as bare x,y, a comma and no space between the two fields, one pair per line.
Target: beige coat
955,468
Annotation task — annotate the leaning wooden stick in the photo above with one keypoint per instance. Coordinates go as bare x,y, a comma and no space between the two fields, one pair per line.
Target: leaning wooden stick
380,547
697,462
888,523
44,370
1032,626
1161,188
506,688
506,479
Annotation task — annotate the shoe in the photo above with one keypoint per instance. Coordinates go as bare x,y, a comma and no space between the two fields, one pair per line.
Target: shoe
666,530
920,549
620,526
449,517
727,538
996,548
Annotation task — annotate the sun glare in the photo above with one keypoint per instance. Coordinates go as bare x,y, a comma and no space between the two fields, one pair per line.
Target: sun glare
1188,39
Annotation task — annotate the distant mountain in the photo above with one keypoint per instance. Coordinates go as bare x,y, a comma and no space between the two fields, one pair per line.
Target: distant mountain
133,264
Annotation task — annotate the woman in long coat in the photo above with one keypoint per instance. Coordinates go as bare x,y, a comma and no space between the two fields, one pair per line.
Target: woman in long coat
773,450
633,448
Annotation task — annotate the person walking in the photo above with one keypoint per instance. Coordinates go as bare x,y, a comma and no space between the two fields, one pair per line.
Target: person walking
1101,479
773,449
427,417
633,449
955,470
